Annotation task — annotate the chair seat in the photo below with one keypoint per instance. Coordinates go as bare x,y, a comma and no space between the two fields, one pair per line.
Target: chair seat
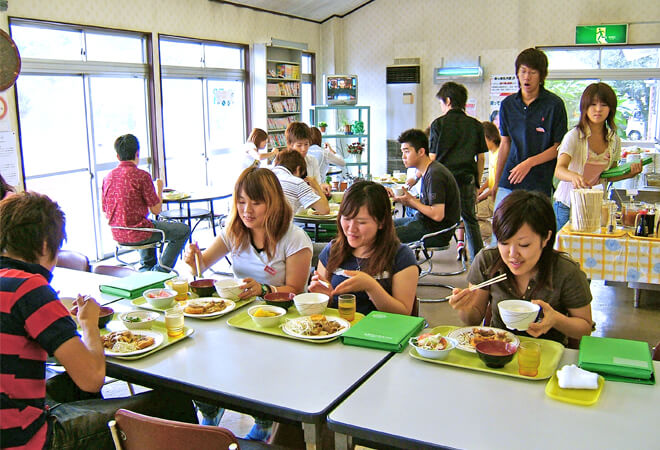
182,214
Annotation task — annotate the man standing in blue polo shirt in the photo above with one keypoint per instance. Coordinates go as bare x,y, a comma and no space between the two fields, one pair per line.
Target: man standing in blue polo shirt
532,123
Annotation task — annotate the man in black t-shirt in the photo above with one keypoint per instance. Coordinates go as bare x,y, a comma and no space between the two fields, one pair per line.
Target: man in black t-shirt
457,141
439,205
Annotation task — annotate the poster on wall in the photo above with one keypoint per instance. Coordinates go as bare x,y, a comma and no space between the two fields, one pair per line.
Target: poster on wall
501,86
9,157
4,113
471,107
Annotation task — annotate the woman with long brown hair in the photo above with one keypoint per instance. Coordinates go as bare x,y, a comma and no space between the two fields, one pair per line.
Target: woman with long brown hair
366,258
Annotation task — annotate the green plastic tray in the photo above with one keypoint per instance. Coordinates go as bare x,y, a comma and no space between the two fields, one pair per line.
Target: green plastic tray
158,326
551,353
245,322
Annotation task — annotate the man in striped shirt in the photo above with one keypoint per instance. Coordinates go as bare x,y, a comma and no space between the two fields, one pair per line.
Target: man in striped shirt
69,412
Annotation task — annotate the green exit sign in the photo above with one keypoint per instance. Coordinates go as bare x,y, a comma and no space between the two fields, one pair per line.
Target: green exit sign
601,34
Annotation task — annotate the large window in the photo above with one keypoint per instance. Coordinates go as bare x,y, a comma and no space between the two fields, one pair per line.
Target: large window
204,114
308,94
632,71
80,88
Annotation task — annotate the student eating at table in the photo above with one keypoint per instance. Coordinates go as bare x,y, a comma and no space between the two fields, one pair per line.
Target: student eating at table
291,171
366,258
268,253
67,410
525,228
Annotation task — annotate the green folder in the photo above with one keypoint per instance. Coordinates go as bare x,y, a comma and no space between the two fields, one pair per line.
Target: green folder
623,169
134,285
617,359
384,331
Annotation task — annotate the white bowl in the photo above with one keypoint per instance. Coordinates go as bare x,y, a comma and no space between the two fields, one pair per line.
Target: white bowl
336,197
267,322
434,354
311,303
143,320
518,314
164,300
398,191
228,288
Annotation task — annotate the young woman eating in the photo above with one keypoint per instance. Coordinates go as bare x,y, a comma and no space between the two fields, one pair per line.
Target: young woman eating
366,258
268,253
589,149
256,142
524,226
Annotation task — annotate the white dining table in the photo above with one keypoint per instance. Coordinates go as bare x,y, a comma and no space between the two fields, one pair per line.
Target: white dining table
70,283
410,403
250,372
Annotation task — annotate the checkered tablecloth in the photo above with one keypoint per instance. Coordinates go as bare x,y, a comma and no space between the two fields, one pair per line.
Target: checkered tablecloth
622,258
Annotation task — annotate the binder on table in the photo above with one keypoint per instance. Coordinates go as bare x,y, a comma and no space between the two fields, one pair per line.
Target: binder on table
134,285
382,330
617,359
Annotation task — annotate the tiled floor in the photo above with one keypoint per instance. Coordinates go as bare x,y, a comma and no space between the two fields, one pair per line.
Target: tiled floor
612,309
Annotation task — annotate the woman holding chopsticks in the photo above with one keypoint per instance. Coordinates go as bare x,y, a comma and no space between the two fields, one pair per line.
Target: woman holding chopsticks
524,225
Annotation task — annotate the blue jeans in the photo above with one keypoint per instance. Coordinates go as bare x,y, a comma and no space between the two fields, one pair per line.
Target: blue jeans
502,193
562,214
468,192
176,235
79,420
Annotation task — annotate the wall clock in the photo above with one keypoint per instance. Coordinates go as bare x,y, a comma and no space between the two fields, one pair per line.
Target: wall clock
10,61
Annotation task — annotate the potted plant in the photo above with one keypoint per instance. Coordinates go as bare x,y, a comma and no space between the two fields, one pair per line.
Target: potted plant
358,127
356,149
322,126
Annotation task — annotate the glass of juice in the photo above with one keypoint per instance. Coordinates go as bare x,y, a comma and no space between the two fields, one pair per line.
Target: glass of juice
529,358
346,306
180,285
174,321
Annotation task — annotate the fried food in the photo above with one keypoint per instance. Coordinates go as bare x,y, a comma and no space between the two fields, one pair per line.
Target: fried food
483,335
126,341
205,306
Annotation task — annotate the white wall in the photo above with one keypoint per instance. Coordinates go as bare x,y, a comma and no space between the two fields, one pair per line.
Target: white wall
460,32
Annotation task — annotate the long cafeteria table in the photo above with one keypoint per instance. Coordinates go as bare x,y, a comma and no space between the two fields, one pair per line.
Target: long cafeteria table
410,403
70,283
263,375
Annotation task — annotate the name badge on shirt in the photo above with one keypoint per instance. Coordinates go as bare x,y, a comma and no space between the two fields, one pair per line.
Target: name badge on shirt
270,270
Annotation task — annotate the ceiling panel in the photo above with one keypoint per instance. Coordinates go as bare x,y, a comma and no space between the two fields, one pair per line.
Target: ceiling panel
316,10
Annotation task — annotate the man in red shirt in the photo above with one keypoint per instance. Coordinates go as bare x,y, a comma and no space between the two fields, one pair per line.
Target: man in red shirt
67,411
128,196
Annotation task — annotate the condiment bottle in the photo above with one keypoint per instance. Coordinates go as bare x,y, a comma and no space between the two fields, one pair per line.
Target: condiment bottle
641,228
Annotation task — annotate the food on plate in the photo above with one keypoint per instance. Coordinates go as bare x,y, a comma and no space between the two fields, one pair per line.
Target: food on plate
315,325
159,294
126,341
430,341
485,334
260,312
205,306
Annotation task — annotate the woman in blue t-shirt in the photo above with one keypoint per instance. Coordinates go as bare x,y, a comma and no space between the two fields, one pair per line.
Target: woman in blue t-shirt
366,258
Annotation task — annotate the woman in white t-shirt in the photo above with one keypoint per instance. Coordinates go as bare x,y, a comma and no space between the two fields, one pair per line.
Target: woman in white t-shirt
257,142
588,149
268,253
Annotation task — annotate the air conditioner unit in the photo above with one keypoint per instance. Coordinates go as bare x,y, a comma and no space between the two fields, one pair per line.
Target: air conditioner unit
464,74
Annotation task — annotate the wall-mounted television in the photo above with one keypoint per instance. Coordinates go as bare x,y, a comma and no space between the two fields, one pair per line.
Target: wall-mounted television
341,89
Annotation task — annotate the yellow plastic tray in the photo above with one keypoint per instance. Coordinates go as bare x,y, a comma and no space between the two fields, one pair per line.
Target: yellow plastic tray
141,302
551,353
618,232
245,322
584,397
158,326
642,238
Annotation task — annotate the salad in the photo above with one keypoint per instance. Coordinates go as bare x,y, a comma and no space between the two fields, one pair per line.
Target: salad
430,341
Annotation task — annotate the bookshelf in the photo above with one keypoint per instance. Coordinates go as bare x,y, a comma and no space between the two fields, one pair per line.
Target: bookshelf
283,87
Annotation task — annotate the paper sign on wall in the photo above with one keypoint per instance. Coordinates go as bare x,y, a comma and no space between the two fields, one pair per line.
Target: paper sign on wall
4,113
9,158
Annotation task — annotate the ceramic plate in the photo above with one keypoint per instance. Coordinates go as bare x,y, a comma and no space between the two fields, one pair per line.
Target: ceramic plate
158,339
464,335
230,305
287,327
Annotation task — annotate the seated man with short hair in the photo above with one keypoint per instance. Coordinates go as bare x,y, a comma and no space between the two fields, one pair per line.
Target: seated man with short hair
67,411
439,205
128,196
291,170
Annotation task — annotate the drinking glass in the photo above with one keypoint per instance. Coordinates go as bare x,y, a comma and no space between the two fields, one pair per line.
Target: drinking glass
180,285
174,321
346,306
529,358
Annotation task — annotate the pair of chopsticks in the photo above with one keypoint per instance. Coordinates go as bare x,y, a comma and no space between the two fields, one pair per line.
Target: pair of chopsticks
494,280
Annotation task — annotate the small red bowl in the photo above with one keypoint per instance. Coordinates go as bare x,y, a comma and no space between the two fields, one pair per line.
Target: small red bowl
496,353
105,315
203,287
281,299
